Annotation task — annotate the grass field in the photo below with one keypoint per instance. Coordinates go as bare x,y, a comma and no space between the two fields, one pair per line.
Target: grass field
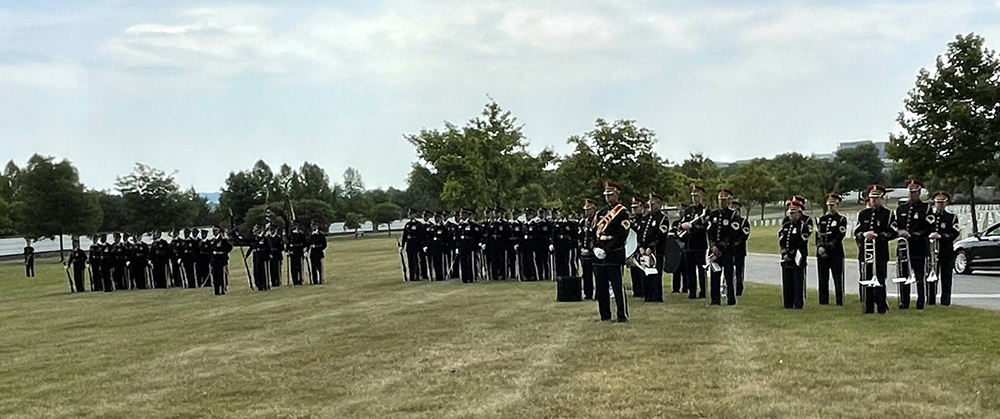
369,345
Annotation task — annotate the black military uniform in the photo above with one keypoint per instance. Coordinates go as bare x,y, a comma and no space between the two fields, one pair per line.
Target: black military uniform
882,222
107,265
723,233
413,244
176,252
297,242
261,250
498,234
695,244
830,233
680,282
437,246
740,254
790,238
138,262
160,257
586,238
96,260
912,217
637,218
609,249
945,224
29,260
317,251
220,247
118,257
78,261
203,258
522,246
538,233
424,262
189,257
564,241
654,235
468,242
277,246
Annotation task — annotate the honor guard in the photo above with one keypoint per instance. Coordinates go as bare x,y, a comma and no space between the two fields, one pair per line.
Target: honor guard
912,227
830,232
118,254
176,253
944,232
609,250
29,259
437,247
160,253
794,232
637,224
139,262
515,245
96,262
414,232
297,242
451,223
468,243
740,253
876,226
651,244
563,244
585,244
679,283
723,232
317,251
220,248
107,262
498,245
277,246
189,258
78,263
540,234
261,250
203,257
424,267
693,233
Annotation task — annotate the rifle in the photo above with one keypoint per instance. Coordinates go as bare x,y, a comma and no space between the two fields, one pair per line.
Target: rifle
402,261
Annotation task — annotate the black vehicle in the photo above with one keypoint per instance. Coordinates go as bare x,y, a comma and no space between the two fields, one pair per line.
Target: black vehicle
981,251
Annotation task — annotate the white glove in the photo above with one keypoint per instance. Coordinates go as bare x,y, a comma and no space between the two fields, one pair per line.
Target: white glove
552,248
425,249
516,246
599,253
482,246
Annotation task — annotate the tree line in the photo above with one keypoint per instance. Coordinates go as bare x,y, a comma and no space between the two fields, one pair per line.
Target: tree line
950,138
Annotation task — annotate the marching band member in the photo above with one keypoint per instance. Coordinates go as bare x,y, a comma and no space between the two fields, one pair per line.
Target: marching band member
637,220
609,249
912,225
794,232
585,243
740,254
723,231
879,224
944,229
651,243
693,227
832,227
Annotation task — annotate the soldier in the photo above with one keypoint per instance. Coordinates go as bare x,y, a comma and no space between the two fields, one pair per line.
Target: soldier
203,258
78,261
118,256
96,260
723,232
544,246
189,257
219,247
317,251
297,242
424,268
468,244
740,255
877,224
106,267
260,248
651,243
529,271
437,247
831,229
138,262
160,254
412,243
944,230
585,243
637,221
277,246
176,252
451,253
794,231
497,243
565,232
693,233
680,282
609,249
29,259
912,225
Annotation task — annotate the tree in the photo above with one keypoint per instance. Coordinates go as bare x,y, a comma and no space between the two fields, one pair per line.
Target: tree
152,200
864,157
52,201
950,125
113,210
385,213
797,174
308,211
243,191
353,221
754,182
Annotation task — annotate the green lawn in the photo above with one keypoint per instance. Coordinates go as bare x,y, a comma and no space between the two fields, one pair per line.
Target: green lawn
764,239
369,345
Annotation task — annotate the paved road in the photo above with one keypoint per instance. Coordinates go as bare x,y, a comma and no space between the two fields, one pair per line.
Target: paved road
977,290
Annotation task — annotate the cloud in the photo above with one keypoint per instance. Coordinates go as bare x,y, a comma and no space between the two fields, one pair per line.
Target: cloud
52,75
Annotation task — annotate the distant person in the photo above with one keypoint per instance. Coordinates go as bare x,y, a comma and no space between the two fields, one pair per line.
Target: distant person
160,255
203,259
297,242
944,230
317,251
831,230
29,259
277,246
220,248
875,225
78,261
96,255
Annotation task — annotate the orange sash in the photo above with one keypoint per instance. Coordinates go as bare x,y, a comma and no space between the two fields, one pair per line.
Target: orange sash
603,224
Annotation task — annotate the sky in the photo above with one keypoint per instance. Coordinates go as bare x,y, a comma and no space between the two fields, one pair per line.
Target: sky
203,88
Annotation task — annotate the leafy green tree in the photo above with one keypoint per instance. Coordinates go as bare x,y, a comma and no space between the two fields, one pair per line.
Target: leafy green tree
950,124
113,210
152,200
385,213
797,174
754,183
865,158
52,201
308,211
353,221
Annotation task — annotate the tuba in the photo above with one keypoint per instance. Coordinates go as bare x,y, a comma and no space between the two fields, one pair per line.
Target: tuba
932,276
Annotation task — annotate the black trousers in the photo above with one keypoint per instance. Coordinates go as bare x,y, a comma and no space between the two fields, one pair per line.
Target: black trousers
78,277
917,265
29,268
107,277
316,267
679,284
694,272
946,268
875,296
203,268
96,277
423,268
511,257
652,285
465,265
274,270
726,262
562,256
541,258
260,274
495,254
295,265
176,277
638,276
792,283
414,264
739,269
138,271
435,260
831,268
121,279
588,278
159,273
189,273
219,277
610,276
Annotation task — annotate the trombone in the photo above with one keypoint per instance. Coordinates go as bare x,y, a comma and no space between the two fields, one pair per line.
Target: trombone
935,249
904,271
868,266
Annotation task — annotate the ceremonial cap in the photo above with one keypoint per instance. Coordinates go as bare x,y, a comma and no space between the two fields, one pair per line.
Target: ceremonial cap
612,188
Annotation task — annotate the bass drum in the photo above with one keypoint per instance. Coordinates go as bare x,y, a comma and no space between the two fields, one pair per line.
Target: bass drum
672,255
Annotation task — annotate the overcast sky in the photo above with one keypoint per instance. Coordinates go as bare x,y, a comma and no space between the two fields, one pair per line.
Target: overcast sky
206,88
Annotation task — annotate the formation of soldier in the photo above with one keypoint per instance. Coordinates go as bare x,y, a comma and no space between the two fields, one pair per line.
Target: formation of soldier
192,259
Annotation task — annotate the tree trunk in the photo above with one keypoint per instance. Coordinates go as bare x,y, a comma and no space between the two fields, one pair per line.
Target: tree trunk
972,206
762,211
388,228
62,257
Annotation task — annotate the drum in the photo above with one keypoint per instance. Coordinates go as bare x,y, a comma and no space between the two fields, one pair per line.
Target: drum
569,288
672,255
631,244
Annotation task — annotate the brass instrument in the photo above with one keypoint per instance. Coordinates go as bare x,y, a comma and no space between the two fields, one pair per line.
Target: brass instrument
935,249
683,233
868,265
710,264
904,271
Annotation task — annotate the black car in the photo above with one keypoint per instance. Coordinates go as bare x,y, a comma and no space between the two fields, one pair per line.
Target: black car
981,251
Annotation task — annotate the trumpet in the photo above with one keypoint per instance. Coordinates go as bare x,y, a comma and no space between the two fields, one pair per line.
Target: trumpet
935,249
904,272
868,265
